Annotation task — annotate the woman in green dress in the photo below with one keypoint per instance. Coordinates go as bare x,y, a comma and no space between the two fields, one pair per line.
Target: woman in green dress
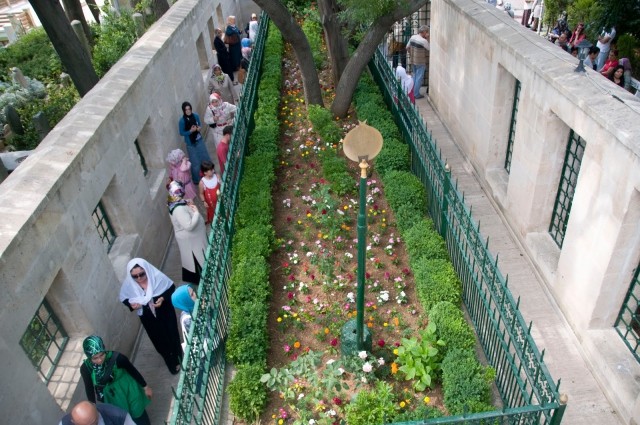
109,377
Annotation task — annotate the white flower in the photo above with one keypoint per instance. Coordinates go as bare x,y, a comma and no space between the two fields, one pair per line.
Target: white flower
331,412
340,371
330,361
367,367
351,297
362,355
312,421
301,395
381,361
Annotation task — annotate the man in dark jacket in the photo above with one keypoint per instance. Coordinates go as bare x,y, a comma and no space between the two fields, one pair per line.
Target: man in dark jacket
86,413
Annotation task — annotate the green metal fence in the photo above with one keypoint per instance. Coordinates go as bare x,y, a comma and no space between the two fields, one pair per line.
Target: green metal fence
628,322
528,393
198,397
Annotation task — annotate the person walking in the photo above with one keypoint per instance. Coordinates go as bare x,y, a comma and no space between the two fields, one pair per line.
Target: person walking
109,377
418,50
147,291
86,413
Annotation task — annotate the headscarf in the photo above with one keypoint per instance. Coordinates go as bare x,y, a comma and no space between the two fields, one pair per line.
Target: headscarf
218,78
405,80
176,195
182,300
246,51
245,42
189,121
625,63
175,157
91,346
157,283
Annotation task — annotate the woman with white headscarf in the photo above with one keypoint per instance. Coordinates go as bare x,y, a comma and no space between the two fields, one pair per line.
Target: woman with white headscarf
406,82
220,83
218,115
147,291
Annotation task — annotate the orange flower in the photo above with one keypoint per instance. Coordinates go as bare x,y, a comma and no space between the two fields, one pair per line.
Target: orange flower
369,324
326,331
394,368
296,344
396,321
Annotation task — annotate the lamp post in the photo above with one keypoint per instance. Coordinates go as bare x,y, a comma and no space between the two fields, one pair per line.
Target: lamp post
583,51
360,145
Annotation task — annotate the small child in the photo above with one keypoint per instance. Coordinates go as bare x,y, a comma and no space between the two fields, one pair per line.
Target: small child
209,188
180,170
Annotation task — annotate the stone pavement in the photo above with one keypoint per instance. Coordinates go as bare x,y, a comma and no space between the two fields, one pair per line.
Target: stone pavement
551,332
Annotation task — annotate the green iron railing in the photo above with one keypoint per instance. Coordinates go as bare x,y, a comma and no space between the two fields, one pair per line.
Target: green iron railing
44,341
198,397
528,393
628,322
512,126
103,226
567,187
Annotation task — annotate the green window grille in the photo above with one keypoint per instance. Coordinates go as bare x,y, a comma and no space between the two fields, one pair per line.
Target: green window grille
143,161
104,227
567,187
512,127
44,341
628,322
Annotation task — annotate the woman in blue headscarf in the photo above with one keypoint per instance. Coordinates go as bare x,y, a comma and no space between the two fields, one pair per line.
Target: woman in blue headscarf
109,377
185,299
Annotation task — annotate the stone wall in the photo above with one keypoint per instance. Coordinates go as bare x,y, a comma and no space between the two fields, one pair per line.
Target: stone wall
49,246
477,53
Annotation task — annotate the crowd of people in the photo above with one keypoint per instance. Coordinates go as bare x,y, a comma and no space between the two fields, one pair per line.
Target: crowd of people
116,392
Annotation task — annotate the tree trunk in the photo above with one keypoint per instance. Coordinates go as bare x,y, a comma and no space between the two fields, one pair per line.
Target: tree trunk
363,54
160,7
291,31
336,43
73,10
73,56
95,10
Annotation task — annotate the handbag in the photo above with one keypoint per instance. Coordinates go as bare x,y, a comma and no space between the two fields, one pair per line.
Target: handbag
232,39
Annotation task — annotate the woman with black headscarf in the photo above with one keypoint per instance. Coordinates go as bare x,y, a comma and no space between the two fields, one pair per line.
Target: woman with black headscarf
232,37
189,128
224,59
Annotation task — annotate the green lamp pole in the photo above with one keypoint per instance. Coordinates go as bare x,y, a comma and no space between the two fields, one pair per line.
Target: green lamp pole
361,144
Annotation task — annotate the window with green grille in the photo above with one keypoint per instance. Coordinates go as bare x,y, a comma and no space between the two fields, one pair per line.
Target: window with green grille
567,187
628,322
512,127
103,225
143,162
44,340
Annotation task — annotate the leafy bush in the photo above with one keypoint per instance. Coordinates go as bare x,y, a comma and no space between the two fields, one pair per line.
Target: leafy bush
334,169
249,281
401,188
394,156
452,328
116,35
466,383
376,406
253,240
248,340
324,125
17,96
420,358
423,242
407,216
34,54
313,31
247,395
436,281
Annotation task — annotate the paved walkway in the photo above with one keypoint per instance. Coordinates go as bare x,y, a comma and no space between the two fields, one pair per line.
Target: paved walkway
563,357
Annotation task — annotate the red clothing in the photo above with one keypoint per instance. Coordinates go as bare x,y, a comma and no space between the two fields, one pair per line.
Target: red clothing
222,150
608,65
577,38
210,189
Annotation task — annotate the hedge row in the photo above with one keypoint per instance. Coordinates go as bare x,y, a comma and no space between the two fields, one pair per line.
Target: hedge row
465,381
249,286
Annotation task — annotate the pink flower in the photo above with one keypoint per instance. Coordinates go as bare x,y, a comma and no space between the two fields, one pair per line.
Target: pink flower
287,348
290,295
334,342
381,343
337,401
387,275
367,275
291,277
406,271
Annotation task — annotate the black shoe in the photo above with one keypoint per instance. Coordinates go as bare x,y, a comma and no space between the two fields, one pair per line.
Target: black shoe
419,96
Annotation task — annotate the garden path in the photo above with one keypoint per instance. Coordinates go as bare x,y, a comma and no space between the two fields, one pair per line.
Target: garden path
563,357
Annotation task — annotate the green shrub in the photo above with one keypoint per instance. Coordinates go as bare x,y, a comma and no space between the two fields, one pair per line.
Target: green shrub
248,340
394,156
324,125
466,383
34,54
407,216
116,35
384,123
376,406
401,188
249,281
335,171
423,242
247,395
253,240
313,31
452,328
436,281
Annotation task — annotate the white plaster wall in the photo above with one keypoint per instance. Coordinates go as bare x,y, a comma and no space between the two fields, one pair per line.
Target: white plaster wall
48,243
477,52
